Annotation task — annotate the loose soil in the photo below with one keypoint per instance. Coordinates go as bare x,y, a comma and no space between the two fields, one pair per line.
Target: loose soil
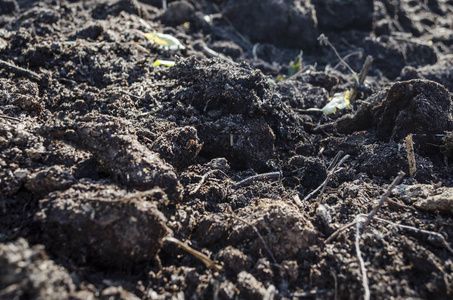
106,159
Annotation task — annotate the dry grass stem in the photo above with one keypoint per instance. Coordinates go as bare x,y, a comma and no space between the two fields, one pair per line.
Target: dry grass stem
338,231
365,285
410,155
334,168
9,118
260,237
206,260
264,176
363,73
384,197
436,234
20,70
324,40
203,179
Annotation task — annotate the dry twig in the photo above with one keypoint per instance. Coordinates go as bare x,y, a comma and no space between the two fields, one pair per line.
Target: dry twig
260,237
324,40
201,256
371,215
365,285
338,231
334,168
384,197
203,179
436,234
9,118
410,155
248,180
20,70
363,73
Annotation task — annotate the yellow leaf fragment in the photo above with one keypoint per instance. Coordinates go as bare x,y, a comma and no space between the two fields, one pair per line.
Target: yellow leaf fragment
338,101
164,40
167,63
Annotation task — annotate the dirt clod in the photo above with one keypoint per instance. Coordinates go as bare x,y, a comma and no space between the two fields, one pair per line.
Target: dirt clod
416,106
27,272
124,228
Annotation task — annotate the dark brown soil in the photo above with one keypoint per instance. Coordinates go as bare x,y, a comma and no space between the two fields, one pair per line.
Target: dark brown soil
106,157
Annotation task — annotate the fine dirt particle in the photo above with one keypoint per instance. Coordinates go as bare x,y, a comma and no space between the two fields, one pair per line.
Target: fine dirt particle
178,147
234,259
24,95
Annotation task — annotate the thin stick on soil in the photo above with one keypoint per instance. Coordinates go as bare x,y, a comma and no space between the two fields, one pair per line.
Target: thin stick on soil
264,176
203,179
334,168
325,40
365,285
371,215
346,57
384,197
436,234
410,155
365,69
338,231
206,260
260,237
9,118
363,73
20,70
335,284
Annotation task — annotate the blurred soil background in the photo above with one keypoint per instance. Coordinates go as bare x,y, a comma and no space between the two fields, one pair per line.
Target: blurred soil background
216,149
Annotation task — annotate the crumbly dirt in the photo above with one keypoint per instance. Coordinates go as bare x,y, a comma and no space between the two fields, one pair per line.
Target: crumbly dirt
106,157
